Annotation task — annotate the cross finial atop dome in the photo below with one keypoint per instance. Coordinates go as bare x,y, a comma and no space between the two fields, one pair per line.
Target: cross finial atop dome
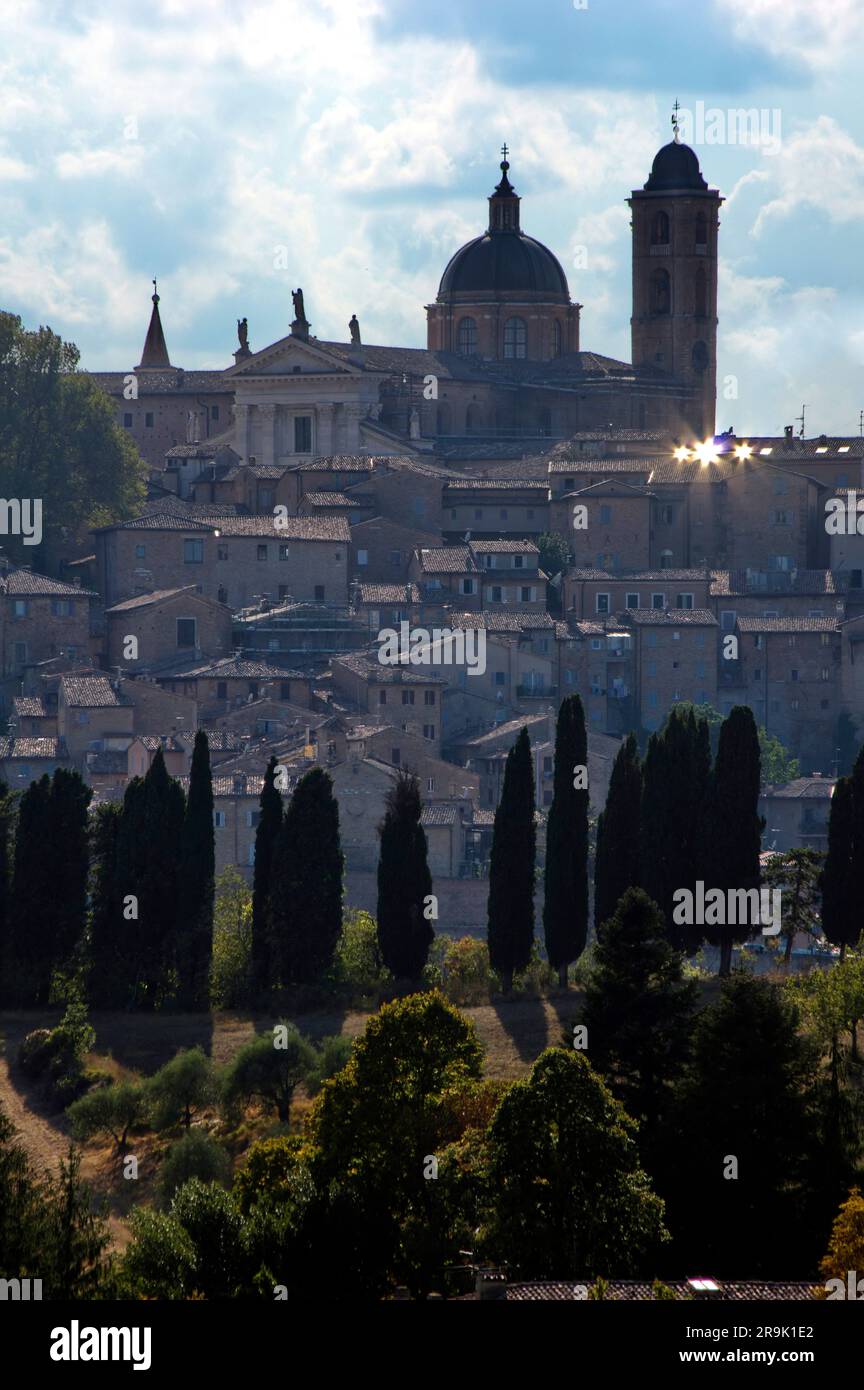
675,130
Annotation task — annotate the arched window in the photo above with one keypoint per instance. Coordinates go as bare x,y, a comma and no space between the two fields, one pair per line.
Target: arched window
700,357
515,338
700,294
666,558
701,235
660,229
660,292
472,418
467,336
556,337
443,418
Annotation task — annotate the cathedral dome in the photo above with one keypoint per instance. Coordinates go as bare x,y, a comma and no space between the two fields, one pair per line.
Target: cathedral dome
675,168
504,262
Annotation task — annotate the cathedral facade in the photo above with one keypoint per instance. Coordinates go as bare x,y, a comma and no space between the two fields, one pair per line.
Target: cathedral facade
503,373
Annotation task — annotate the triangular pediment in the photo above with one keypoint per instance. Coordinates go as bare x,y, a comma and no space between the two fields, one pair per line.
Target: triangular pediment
284,357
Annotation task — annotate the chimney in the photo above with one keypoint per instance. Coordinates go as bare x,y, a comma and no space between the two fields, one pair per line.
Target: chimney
490,1284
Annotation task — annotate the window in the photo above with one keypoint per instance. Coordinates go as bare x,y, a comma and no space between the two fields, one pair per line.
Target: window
83,716
407,697
701,230
658,601
665,559
556,338
526,594
676,636
500,678
826,674
140,552
651,638
496,594
596,644
193,552
652,698
469,586
781,562
518,562
666,515
605,514
429,697
631,601
757,673
395,756
490,561
219,820
794,675
127,420
700,294
261,551
430,784
684,601
221,552
395,558
20,608
780,518
602,603
221,690
382,697
302,434
185,632
779,487
319,593
252,819
428,730
467,336
727,619
791,641
824,639
148,419
362,557
660,292
265,498
660,229
515,338
284,552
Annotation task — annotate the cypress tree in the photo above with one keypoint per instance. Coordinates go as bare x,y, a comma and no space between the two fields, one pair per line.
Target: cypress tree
266,837
510,930
404,882
735,823
148,869
106,979
48,909
673,829
616,863
7,819
840,904
565,904
31,959
197,872
858,826
306,882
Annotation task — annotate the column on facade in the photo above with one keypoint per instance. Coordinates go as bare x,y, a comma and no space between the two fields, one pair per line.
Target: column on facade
267,415
243,431
325,429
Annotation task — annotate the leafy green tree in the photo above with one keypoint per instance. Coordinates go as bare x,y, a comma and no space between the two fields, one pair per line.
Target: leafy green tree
846,1247
181,1089
736,826
741,1131
778,767
264,967
638,1007
616,863
510,930
306,882
196,1155
358,958
570,1198
554,553
231,967
269,1069
796,873
77,1235
160,1261
565,907
59,441
196,878
110,1110
840,907
404,882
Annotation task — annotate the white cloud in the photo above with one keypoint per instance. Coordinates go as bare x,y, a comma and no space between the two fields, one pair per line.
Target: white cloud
821,33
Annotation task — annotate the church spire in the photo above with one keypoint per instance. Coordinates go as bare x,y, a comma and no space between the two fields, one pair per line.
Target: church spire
504,204
155,352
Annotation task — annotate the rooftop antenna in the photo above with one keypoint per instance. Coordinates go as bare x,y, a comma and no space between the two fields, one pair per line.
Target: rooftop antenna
801,418
861,421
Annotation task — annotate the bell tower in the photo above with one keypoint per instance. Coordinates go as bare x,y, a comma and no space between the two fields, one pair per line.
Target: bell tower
675,220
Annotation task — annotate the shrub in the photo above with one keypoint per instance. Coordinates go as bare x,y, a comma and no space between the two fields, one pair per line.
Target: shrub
468,977
55,1056
181,1088
196,1155
333,1053
358,966
232,941
275,1170
266,1071
109,1110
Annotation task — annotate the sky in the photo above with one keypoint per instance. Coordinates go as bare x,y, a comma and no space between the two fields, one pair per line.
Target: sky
238,149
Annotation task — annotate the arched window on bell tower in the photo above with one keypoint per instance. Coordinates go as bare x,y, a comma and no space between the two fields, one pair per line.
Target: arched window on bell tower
661,293
467,336
700,294
701,230
660,229
556,337
515,338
